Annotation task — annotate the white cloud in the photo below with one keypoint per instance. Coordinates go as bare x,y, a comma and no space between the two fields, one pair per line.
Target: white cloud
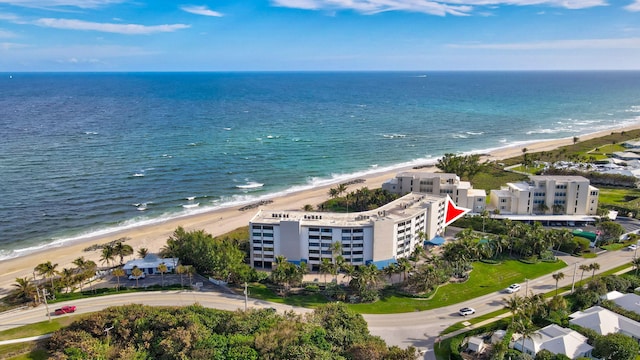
83,4
624,43
634,6
8,46
128,29
201,10
4,34
432,7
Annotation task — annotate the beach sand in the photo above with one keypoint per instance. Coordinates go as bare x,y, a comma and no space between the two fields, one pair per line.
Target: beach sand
218,222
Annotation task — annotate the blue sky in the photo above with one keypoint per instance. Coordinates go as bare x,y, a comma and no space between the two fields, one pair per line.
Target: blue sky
277,35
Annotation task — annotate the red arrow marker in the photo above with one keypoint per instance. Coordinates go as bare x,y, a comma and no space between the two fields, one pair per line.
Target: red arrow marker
453,212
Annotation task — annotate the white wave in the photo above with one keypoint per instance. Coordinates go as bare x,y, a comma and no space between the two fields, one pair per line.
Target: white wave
138,175
90,133
394,136
250,185
460,136
190,206
190,198
227,129
475,133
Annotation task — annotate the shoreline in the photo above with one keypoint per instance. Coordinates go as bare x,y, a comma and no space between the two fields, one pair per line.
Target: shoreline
222,220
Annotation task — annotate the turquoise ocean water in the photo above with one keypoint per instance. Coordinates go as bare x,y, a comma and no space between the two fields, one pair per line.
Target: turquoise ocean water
84,154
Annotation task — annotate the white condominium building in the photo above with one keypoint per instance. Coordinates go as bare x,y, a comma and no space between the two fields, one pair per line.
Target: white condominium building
380,236
558,195
461,192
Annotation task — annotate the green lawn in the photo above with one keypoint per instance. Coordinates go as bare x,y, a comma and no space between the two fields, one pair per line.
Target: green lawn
484,279
260,291
43,327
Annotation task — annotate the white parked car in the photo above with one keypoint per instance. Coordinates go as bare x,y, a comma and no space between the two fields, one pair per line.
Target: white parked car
133,277
467,311
513,288
632,247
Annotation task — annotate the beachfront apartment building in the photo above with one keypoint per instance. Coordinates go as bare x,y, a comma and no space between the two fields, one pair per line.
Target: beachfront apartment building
380,236
547,195
461,192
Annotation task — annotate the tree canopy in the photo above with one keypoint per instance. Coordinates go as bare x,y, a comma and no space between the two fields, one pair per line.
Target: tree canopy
194,332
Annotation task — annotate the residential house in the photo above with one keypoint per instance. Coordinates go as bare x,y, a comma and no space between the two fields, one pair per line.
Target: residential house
149,264
555,339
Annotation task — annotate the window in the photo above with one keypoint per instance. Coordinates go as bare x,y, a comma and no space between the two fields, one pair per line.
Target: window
314,251
267,235
256,234
327,230
268,227
256,227
314,244
346,231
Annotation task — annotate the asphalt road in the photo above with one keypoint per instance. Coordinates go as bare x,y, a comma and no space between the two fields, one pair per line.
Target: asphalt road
419,329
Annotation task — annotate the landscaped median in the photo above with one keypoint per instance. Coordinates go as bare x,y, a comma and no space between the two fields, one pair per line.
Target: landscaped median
484,279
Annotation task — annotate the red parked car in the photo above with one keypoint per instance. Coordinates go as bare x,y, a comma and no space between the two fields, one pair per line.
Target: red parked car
65,310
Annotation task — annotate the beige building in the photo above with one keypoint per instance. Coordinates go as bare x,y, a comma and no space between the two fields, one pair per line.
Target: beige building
461,192
380,236
558,195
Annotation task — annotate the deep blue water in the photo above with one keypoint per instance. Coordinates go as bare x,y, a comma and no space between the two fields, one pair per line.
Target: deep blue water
79,150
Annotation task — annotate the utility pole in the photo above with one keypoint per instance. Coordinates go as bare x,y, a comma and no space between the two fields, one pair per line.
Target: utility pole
46,304
246,296
573,282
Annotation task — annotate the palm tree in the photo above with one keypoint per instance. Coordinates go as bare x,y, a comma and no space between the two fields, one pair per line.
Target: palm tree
325,268
181,269
333,193
47,270
80,264
190,271
308,207
636,264
24,290
514,304
390,270
341,189
162,268
557,277
526,329
90,270
107,255
404,266
67,277
118,273
121,249
594,267
142,252
136,272
584,267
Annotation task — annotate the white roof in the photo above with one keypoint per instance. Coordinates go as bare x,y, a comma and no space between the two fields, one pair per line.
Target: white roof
558,340
150,261
605,322
629,301
475,343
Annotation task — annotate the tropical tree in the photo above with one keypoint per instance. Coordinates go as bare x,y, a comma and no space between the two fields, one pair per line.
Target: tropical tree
190,271
142,252
333,193
162,268
583,268
636,264
341,189
594,267
66,277
121,249
24,291
325,268
181,270
81,265
615,346
47,270
118,273
390,270
137,273
557,277
107,256
404,266
308,207
515,305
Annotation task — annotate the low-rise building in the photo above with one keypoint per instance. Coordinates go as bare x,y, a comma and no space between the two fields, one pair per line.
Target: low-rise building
628,301
604,321
149,264
380,236
555,339
461,192
558,195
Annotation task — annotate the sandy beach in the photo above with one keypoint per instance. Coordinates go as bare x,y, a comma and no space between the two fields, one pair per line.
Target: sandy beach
218,222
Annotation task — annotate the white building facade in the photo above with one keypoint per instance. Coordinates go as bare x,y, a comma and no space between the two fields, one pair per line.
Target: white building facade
461,192
380,236
558,195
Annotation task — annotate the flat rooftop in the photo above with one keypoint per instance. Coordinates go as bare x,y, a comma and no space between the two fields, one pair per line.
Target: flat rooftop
404,207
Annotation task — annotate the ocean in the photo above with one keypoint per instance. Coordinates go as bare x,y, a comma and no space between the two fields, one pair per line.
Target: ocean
89,153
